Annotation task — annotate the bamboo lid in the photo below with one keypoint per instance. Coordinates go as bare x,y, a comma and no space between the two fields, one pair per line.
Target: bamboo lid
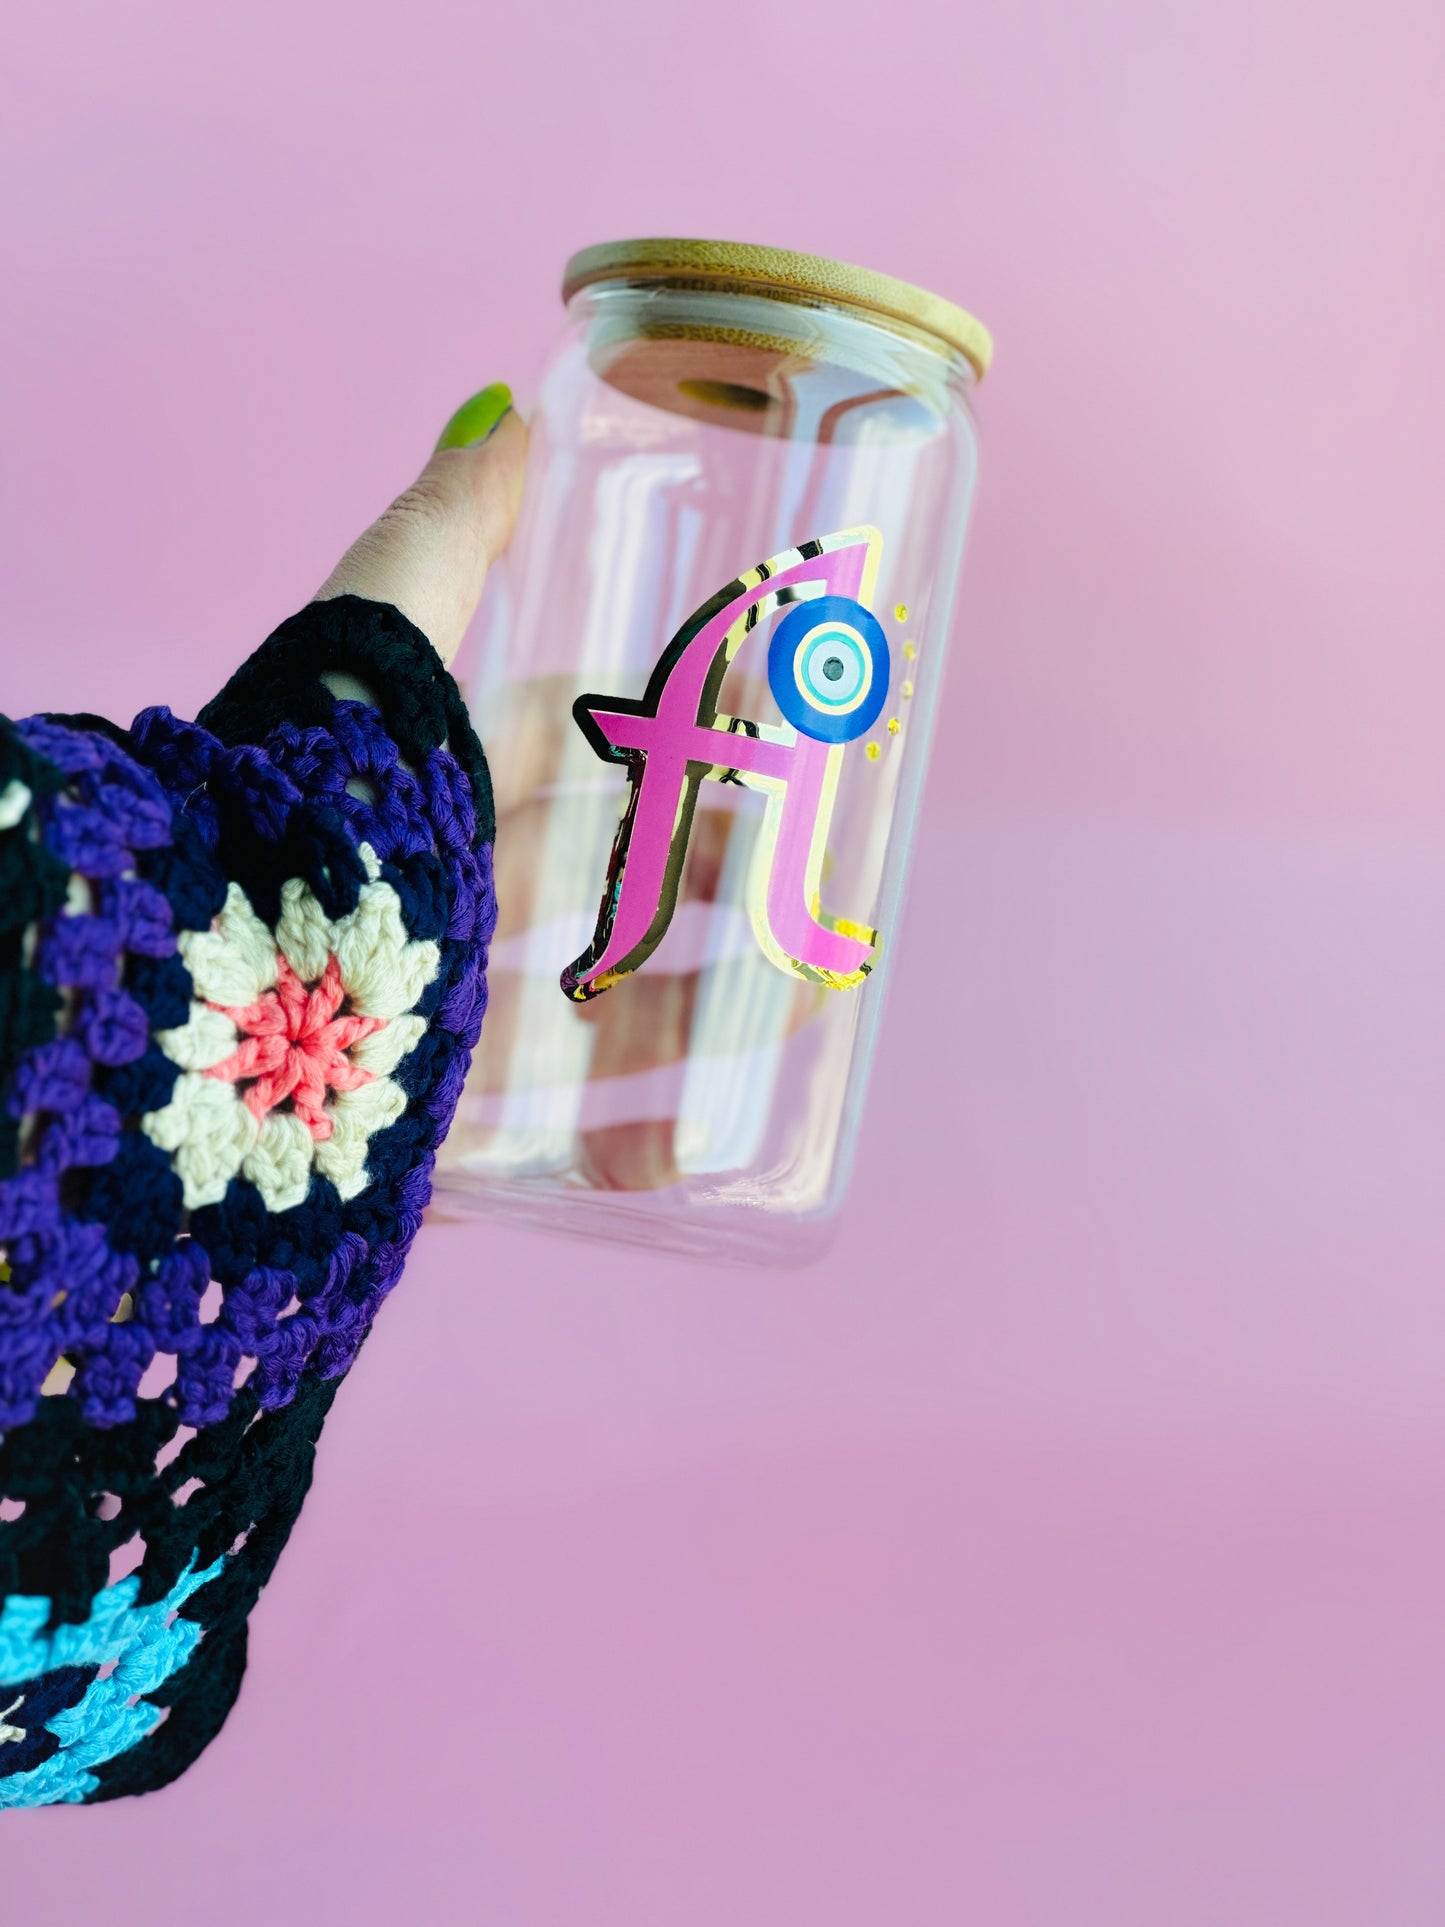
724,264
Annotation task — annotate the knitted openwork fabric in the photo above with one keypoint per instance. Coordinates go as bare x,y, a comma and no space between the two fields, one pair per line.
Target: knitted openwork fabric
242,970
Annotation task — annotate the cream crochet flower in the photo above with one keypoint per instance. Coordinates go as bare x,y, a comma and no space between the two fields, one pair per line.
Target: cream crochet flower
287,1053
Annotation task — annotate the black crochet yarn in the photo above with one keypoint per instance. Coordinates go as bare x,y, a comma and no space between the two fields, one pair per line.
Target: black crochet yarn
374,642
32,886
260,1478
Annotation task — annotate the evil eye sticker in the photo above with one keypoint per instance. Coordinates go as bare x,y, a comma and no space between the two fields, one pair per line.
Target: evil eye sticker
828,668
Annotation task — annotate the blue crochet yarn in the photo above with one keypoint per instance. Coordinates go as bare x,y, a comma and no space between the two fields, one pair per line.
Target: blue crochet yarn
145,1645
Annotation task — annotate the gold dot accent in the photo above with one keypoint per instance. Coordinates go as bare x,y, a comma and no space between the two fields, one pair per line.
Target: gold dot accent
906,691
901,612
872,752
910,651
894,725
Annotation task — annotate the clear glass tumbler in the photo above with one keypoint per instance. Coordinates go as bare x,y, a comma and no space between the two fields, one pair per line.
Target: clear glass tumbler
706,682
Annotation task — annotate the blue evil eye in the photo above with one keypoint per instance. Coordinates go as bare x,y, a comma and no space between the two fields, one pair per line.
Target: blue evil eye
828,668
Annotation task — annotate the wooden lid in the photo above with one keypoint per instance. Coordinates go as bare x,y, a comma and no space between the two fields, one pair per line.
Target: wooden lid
731,264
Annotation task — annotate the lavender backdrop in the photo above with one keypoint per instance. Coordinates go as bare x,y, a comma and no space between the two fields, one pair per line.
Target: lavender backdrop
1072,1553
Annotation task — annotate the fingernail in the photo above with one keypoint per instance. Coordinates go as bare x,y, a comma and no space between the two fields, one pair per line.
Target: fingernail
475,419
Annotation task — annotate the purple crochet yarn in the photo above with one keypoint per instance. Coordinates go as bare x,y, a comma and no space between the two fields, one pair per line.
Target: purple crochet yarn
107,1274
66,1282
242,969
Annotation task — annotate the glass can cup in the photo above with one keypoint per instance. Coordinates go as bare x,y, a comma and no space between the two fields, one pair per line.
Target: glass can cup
706,680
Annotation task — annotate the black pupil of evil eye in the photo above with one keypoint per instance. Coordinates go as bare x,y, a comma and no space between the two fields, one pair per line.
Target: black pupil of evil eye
833,668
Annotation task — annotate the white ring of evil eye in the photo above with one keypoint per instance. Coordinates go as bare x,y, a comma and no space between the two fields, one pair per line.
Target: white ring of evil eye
840,642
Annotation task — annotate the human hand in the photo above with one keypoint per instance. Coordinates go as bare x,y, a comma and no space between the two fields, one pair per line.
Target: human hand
429,552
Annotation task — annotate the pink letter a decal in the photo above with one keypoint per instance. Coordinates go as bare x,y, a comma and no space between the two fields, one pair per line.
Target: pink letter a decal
673,739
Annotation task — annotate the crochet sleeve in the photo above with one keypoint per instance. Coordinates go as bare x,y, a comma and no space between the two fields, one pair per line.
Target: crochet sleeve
242,970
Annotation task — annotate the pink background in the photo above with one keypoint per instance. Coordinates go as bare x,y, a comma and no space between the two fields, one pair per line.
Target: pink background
1073,1550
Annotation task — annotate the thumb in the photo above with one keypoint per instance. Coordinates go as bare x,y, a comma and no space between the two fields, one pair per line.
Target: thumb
430,551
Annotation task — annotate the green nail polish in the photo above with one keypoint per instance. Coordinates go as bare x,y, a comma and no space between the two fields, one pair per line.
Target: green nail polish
476,419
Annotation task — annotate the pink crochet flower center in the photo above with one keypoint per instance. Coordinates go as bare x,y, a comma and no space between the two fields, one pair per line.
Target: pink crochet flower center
294,1045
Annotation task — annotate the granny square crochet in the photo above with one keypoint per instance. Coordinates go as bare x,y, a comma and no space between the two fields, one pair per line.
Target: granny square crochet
242,971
